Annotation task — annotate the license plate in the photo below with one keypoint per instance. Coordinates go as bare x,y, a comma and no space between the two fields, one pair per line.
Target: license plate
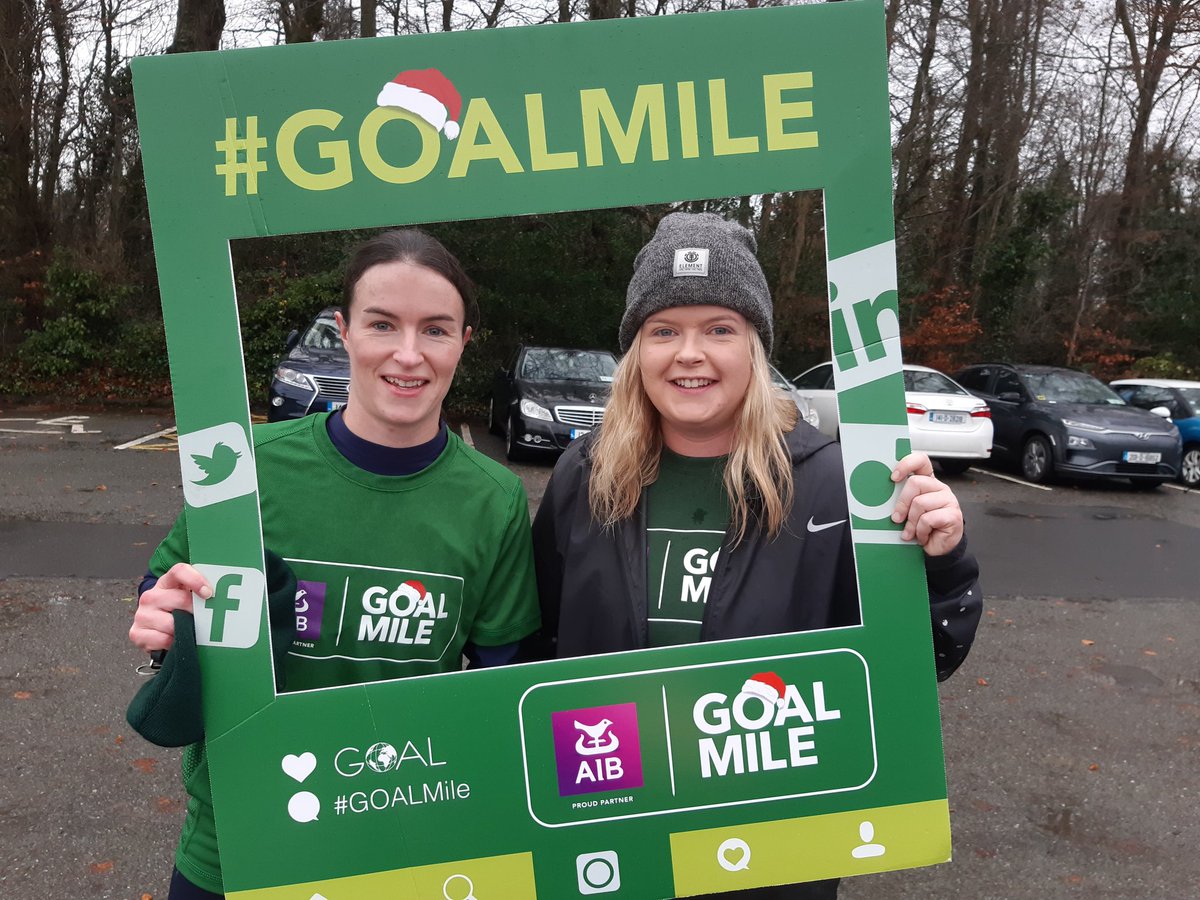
579,432
1133,456
947,418
334,404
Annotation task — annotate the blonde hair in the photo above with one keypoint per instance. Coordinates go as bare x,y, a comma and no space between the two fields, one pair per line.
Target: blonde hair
758,472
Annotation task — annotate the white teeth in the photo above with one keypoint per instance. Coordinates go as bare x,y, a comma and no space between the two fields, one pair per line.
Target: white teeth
693,382
402,383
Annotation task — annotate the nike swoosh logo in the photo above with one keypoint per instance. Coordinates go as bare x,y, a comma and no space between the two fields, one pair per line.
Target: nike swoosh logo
814,527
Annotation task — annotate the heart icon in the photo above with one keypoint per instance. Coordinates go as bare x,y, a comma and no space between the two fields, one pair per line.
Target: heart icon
299,767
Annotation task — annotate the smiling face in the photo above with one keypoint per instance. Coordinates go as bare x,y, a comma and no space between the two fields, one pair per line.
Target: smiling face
405,337
695,367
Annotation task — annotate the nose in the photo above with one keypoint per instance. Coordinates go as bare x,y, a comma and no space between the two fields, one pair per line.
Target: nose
407,351
690,349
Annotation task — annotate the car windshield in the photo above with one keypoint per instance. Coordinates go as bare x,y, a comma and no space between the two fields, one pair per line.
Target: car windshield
547,364
929,383
1192,396
322,335
1070,387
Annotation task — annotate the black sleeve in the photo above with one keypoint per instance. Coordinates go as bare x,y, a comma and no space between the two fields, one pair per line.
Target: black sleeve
548,565
166,711
955,605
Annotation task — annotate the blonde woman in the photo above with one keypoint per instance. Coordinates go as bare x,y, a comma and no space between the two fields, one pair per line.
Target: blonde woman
702,509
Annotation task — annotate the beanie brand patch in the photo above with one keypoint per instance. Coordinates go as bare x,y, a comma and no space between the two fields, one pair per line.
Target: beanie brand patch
691,261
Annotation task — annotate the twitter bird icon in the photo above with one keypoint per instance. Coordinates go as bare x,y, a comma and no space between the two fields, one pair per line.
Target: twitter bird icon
217,464
217,467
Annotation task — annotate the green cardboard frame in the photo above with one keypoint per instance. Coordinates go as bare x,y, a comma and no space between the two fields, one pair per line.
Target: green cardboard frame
290,139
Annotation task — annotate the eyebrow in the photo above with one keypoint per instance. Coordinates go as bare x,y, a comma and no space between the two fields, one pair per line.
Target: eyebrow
386,314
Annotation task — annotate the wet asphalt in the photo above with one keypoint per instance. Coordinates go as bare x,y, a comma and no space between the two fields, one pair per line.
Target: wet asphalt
1072,733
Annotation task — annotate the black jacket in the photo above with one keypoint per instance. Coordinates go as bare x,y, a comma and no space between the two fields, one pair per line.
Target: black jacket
592,581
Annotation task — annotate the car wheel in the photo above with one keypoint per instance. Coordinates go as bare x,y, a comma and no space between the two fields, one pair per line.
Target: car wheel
493,424
512,449
1146,484
1037,463
954,466
1189,472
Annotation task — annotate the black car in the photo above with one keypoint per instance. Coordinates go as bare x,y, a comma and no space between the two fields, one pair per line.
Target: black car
1059,421
314,376
548,397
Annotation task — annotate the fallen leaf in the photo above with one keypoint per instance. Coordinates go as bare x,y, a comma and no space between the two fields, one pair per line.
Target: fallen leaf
1087,643
990,612
982,682
1074,879
101,867
21,695
145,764
102,487
147,897
1094,767
1150,652
1171,639
1008,621
120,739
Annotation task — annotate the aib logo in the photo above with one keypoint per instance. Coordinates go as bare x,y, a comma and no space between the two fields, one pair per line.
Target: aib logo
597,749
232,615
217,464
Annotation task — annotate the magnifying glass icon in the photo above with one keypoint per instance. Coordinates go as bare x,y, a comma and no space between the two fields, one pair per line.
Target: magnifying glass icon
456,895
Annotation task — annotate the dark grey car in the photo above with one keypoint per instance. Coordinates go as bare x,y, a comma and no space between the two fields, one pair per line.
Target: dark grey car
1053,421
549,396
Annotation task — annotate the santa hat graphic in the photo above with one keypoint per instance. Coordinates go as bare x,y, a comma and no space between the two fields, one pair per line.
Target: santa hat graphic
767,685
426,93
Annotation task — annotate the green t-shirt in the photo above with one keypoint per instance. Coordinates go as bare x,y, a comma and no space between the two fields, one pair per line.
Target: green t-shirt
394,575
687,513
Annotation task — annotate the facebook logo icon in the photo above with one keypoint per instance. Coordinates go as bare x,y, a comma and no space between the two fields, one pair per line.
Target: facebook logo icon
232,616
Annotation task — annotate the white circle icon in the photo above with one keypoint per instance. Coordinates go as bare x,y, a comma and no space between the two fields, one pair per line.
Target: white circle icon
304,806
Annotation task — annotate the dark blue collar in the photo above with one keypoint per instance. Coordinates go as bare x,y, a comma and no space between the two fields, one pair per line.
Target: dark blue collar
380,460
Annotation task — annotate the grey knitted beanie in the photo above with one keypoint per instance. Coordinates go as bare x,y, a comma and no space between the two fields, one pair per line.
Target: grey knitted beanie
698,259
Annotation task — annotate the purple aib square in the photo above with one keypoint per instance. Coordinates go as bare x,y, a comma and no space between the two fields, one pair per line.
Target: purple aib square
597,749
310,604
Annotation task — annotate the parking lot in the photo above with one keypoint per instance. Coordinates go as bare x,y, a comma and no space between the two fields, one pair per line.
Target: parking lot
1071,733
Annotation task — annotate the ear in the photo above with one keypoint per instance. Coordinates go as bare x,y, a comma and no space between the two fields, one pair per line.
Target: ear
343,330
467,332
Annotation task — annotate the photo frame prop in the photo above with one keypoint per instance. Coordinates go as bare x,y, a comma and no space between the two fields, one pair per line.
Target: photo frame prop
472,784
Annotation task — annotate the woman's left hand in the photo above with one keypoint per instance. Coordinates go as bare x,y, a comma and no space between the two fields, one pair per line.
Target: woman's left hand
928,508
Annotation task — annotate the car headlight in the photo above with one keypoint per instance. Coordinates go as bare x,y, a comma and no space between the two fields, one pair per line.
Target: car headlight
294,378
1083,426
531,410
1078,442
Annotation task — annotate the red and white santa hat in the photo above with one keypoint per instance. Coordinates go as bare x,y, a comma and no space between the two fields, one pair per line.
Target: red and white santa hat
767,685
426,93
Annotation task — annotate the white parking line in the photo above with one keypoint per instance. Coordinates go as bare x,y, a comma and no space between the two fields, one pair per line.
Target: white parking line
1040,487
74,423
466,431
1180,487
128,445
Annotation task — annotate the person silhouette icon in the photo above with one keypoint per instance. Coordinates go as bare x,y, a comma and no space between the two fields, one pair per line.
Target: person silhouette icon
868,849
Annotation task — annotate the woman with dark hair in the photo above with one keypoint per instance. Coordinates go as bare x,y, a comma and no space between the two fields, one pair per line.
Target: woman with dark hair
702,467
378,496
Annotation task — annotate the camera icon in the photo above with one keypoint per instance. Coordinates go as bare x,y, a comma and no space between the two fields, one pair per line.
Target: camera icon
598,873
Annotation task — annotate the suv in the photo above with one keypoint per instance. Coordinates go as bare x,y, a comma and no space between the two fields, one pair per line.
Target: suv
1182,400
314,375
1059,421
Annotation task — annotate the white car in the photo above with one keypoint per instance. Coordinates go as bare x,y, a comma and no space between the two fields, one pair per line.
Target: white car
945,421
807,412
